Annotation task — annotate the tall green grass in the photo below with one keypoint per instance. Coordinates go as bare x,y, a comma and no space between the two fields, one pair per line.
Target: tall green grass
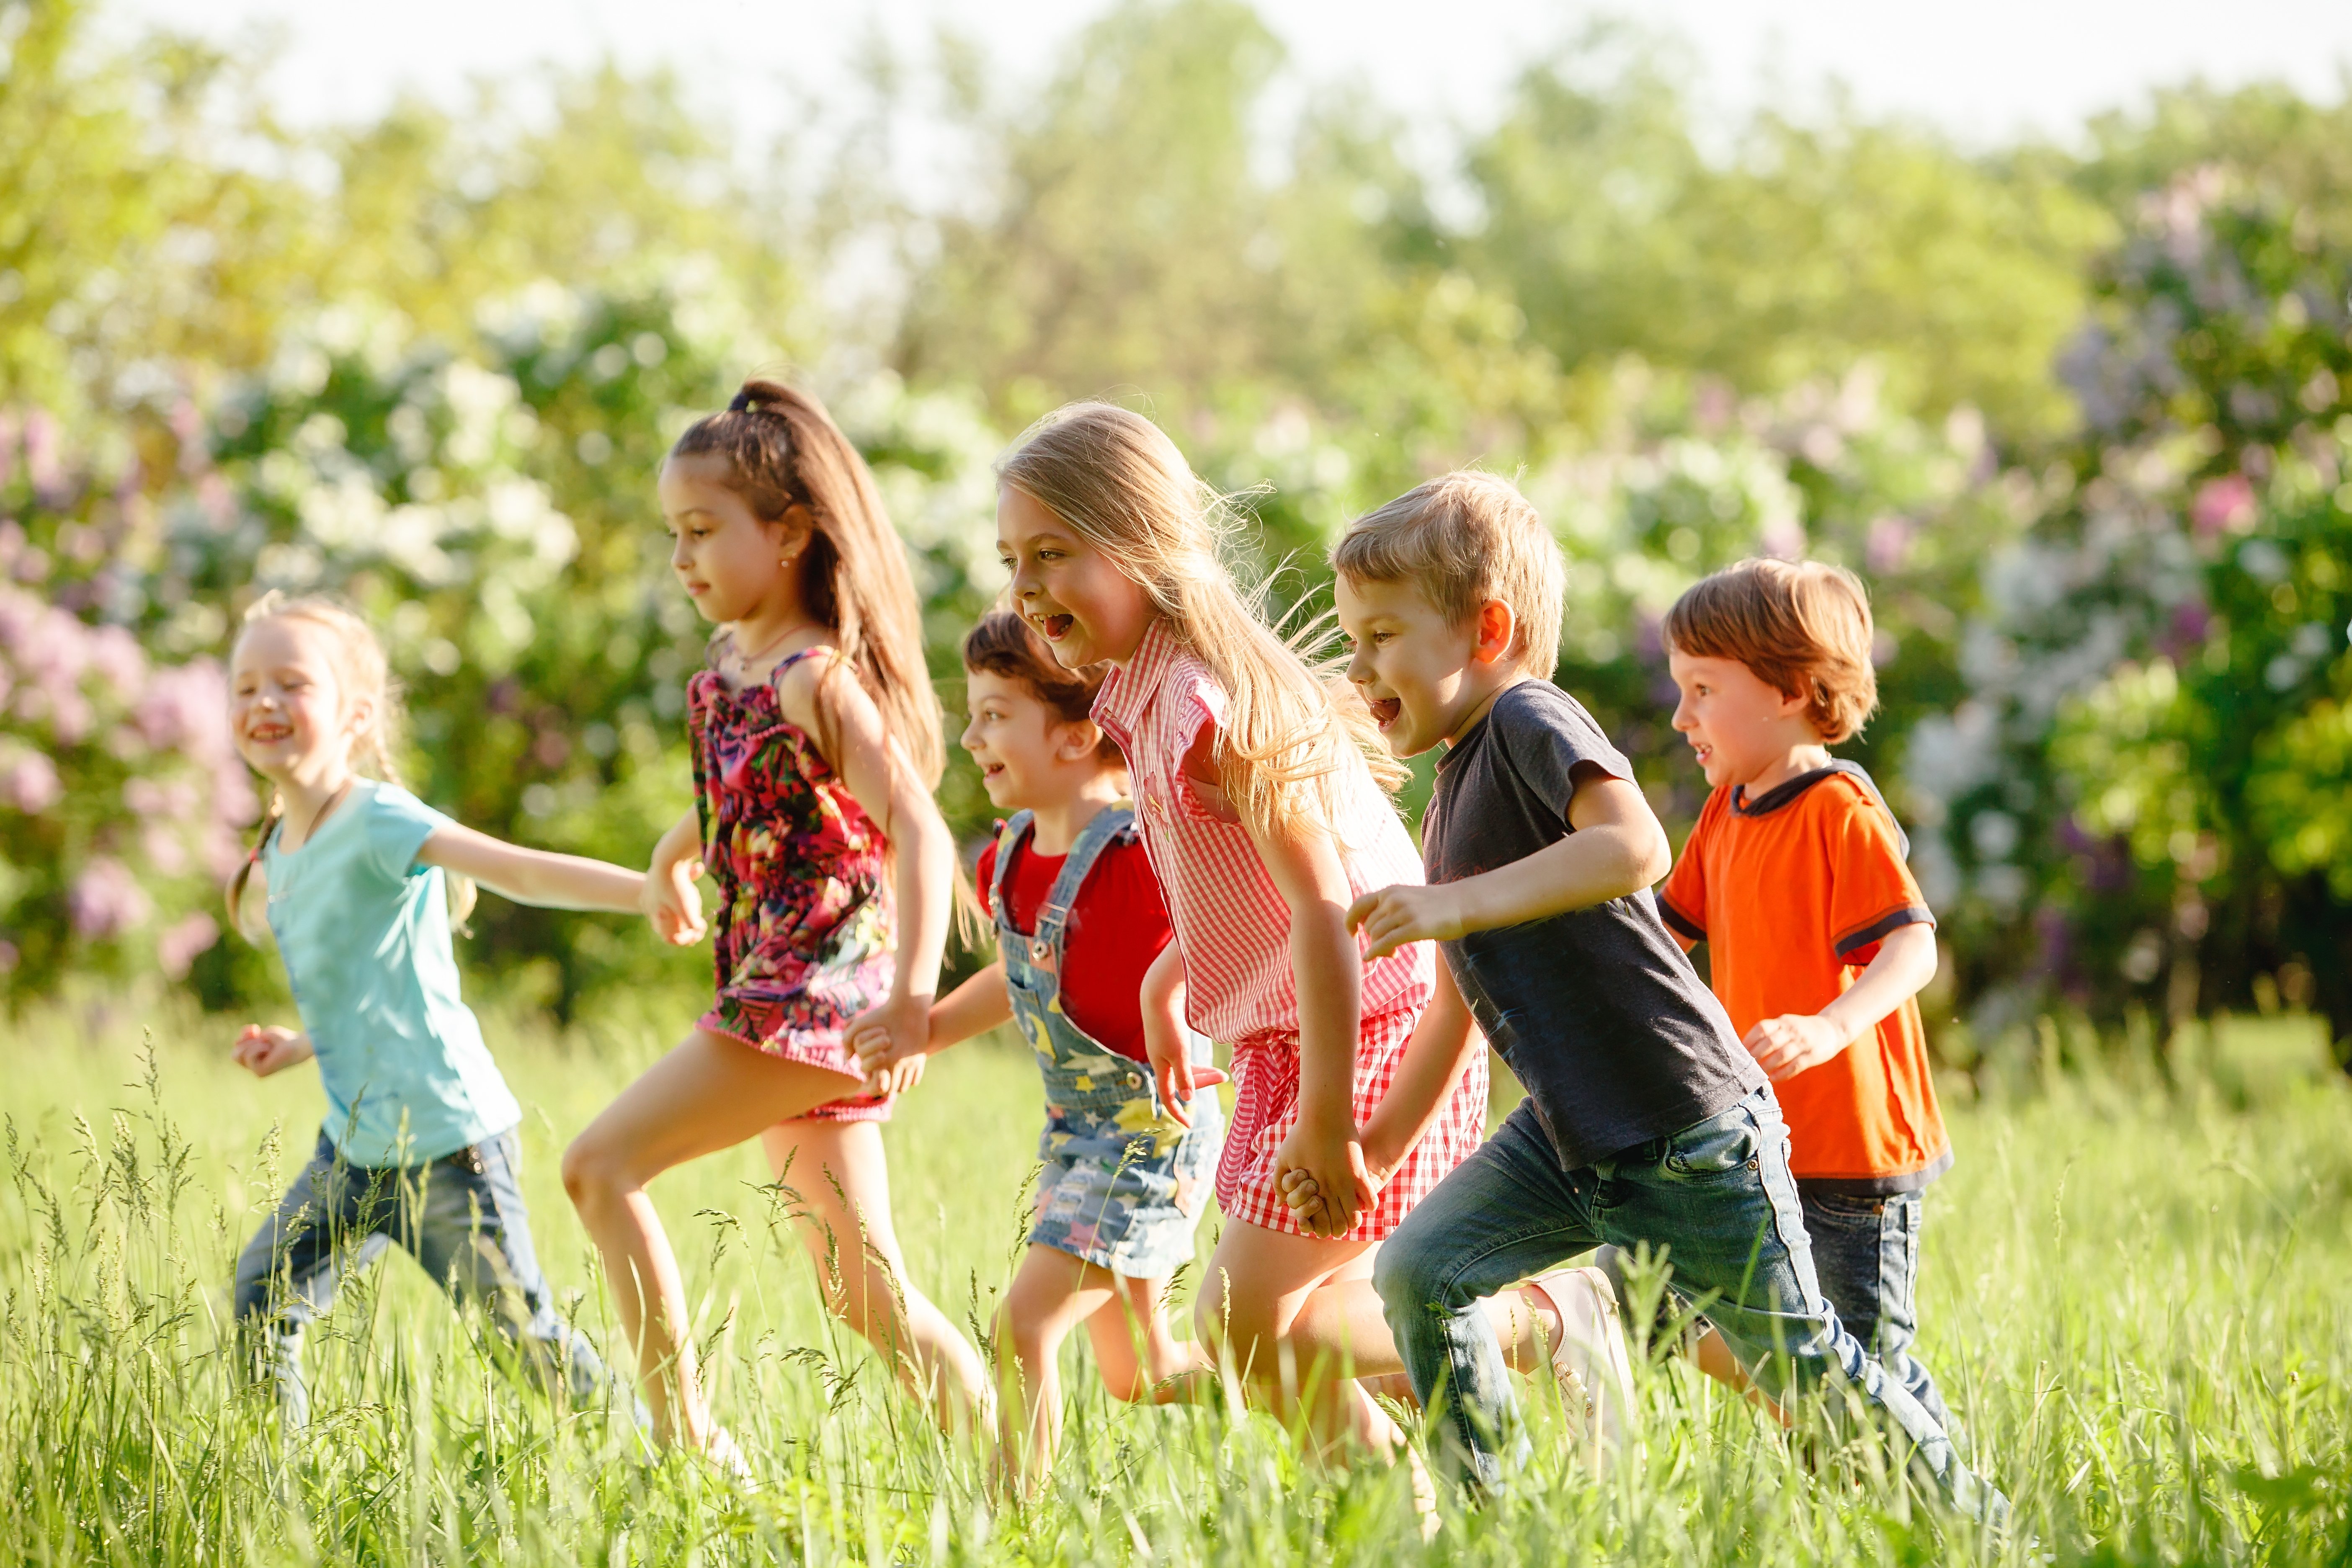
2138,1297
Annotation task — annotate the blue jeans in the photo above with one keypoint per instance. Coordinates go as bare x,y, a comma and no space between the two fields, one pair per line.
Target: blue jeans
1866,1259
1717,1194
1866,1251
461,1216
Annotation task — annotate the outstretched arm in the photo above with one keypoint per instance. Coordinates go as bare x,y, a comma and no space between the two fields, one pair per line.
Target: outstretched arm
531,876
1617,848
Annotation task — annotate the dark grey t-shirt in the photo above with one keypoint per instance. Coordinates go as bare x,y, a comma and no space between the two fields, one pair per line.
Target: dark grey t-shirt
1600,1017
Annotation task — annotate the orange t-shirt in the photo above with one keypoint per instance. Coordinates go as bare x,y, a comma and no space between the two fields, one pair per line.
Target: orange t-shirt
1792,893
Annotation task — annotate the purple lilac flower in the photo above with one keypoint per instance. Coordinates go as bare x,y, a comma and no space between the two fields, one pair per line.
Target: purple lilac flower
2223,504
31,785
107,900
176,948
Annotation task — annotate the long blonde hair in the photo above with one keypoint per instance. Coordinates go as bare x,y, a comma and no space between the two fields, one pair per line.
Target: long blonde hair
365,675
784,451
1291,718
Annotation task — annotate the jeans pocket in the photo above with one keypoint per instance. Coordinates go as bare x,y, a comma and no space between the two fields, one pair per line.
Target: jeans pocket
1721,1143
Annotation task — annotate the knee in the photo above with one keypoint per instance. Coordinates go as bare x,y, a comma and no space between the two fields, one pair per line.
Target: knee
593,1172
1405,1278
1031,1342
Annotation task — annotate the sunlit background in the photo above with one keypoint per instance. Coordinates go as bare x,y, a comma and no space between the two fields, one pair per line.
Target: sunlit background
2035,314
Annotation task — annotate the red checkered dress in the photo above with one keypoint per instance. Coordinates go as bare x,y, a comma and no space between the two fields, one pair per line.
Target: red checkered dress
1234,930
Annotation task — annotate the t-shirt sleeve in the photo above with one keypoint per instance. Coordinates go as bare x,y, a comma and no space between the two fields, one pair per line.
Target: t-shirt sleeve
398,823
983,877
1545,733
1872,891
1681,901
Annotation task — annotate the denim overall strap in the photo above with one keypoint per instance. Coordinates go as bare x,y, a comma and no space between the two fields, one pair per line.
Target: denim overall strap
1108,825
1009,834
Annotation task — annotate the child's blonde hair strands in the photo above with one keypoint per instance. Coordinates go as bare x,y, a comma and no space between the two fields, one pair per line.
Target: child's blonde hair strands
1116,478
366,675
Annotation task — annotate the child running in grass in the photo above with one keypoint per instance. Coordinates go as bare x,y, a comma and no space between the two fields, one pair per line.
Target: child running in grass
1818,937
816,748
1079,924
359,880
1644,1120
1262,821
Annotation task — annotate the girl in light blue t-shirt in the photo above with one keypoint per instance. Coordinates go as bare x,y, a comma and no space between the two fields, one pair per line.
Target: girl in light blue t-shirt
359,880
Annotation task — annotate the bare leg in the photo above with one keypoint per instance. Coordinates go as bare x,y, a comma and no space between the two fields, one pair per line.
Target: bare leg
1136,1349
1714,1359
1524,1321
1140,1358
840,1187
1051,1293
1297,1320
708,1093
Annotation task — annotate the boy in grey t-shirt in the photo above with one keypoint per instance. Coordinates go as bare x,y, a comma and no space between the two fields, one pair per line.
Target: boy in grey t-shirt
1645,1121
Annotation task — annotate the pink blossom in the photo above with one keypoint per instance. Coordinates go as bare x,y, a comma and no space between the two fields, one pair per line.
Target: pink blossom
1783,537
106,900
176,948
235,803
12,532
20,613
44,453
224,851
31,783
1888,544
174,800
186,708
2226,503
166,856
117,659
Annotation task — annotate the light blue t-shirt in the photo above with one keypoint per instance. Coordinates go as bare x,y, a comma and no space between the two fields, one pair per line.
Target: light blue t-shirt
364,931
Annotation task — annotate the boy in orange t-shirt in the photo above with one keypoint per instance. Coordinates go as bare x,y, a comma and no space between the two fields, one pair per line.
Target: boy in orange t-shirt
1817,935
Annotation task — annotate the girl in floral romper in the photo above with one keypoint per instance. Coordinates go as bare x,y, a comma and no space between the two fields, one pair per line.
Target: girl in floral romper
816,748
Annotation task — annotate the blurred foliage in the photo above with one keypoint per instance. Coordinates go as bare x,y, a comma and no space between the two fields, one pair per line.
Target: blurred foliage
2077,416
2150,760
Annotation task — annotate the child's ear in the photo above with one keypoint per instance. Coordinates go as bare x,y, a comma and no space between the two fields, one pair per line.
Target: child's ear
1498,624
1074,740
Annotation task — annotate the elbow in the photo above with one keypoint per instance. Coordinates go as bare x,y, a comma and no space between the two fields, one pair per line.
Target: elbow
1658,860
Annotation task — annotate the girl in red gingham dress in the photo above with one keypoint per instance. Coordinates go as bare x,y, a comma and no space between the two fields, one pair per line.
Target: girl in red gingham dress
1263,821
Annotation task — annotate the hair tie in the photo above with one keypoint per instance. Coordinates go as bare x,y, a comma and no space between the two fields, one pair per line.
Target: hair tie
742,403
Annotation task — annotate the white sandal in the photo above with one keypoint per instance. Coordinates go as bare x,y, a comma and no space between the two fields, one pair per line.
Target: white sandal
1590,1364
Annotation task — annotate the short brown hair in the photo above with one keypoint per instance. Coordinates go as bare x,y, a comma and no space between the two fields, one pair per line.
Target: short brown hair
1804,627
1463,539
1003,644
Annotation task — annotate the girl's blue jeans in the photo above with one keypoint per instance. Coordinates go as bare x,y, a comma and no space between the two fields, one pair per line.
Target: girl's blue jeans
462,1217
1716,1198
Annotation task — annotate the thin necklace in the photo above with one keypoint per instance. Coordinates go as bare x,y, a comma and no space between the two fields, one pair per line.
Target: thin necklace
782,637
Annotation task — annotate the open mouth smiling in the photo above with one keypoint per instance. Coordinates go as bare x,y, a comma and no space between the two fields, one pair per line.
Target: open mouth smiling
1054,628
1385,710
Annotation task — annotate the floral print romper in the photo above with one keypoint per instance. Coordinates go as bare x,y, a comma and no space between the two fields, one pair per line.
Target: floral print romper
803,935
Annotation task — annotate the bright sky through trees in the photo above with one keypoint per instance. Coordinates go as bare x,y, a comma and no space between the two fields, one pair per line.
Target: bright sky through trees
1985,71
